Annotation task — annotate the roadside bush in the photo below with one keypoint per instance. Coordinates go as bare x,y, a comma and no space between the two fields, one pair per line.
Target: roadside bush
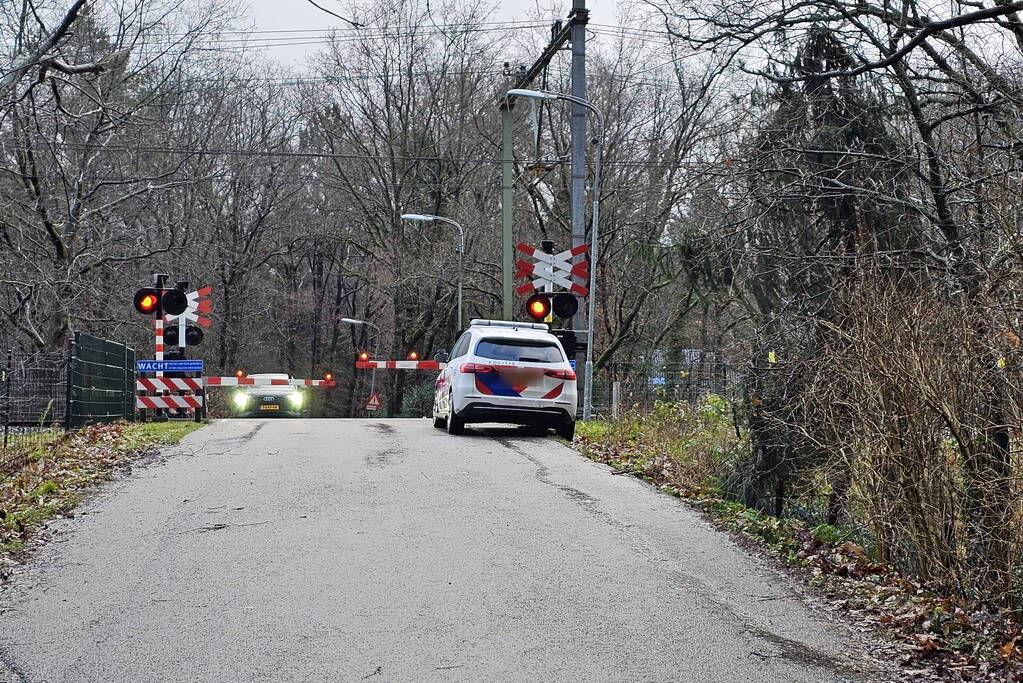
686,444
917,400
418,400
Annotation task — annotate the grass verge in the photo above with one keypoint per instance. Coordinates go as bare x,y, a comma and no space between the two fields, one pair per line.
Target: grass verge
937,638
56,475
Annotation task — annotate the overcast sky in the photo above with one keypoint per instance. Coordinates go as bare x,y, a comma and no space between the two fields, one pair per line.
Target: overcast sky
290,15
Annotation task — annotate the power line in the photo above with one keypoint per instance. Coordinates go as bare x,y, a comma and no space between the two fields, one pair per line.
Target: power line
349,156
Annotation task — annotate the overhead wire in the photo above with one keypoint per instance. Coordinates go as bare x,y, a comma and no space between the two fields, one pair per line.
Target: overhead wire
144,149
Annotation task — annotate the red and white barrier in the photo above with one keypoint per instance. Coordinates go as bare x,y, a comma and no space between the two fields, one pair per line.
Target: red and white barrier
170,402
399,365
169,384
265,382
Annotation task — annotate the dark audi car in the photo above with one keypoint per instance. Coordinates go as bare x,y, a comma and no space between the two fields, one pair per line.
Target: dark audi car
279,400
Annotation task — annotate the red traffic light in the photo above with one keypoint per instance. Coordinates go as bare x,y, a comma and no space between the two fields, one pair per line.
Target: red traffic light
412,355
329,377
147,300
239,373
538,307
363,356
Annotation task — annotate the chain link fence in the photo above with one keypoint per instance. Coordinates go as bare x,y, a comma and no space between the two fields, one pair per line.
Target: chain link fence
632,385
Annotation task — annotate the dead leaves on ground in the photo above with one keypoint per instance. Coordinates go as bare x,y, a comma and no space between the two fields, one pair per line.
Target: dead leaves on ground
53,477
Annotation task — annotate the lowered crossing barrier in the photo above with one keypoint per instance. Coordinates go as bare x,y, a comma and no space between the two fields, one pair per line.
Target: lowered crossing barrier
400,365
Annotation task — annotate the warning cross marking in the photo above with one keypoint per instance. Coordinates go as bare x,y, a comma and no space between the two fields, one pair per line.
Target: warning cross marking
553,269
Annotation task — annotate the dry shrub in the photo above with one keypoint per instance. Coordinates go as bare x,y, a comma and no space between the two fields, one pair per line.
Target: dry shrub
916,400
688,444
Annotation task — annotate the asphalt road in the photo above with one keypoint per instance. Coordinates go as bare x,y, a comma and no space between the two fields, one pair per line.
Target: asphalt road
386,550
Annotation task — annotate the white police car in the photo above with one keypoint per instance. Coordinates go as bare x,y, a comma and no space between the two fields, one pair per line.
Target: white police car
508,372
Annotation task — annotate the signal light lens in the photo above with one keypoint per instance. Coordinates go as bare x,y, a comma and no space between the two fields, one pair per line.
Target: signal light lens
194,335
413,355
175,302
538,307
147,301
363,356
477,369
239,373
565,305
329,377
170,336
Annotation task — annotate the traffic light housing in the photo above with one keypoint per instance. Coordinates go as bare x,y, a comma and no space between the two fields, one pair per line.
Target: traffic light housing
542,305
538,307
150,300
568,340
193,335
147,300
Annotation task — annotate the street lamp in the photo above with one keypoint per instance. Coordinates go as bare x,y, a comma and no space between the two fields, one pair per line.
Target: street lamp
426,218
594,243
376,349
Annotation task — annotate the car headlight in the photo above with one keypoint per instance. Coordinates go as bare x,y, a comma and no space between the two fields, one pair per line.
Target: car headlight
241,399
296,399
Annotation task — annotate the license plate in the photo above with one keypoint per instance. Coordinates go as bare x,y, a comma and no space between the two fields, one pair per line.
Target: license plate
528,377
269,407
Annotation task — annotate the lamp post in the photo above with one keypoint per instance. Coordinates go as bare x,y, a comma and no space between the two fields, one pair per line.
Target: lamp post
594,242
376,349
426,218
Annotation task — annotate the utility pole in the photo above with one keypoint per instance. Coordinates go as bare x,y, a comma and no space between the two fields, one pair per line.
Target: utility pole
507,200
575,31
577,191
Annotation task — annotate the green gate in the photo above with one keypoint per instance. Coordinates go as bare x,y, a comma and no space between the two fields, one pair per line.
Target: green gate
101,381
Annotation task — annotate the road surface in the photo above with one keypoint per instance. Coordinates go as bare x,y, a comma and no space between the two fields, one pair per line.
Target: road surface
386,550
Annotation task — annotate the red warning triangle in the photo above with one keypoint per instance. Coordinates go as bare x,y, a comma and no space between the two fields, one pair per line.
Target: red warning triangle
374,402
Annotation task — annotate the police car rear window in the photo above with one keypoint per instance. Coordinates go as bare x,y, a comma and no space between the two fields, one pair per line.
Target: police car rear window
520,350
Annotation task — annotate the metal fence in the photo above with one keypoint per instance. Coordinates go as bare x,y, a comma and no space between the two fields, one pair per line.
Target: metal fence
639,384
33,403
45,394
101,381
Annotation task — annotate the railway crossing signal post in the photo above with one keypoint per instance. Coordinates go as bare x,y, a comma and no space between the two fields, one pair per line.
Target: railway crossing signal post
177,383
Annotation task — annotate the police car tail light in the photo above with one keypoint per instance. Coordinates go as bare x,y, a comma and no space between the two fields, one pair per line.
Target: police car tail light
561,374
477,369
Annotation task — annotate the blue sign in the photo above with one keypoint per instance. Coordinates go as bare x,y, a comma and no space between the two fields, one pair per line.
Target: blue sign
571,361
168,366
